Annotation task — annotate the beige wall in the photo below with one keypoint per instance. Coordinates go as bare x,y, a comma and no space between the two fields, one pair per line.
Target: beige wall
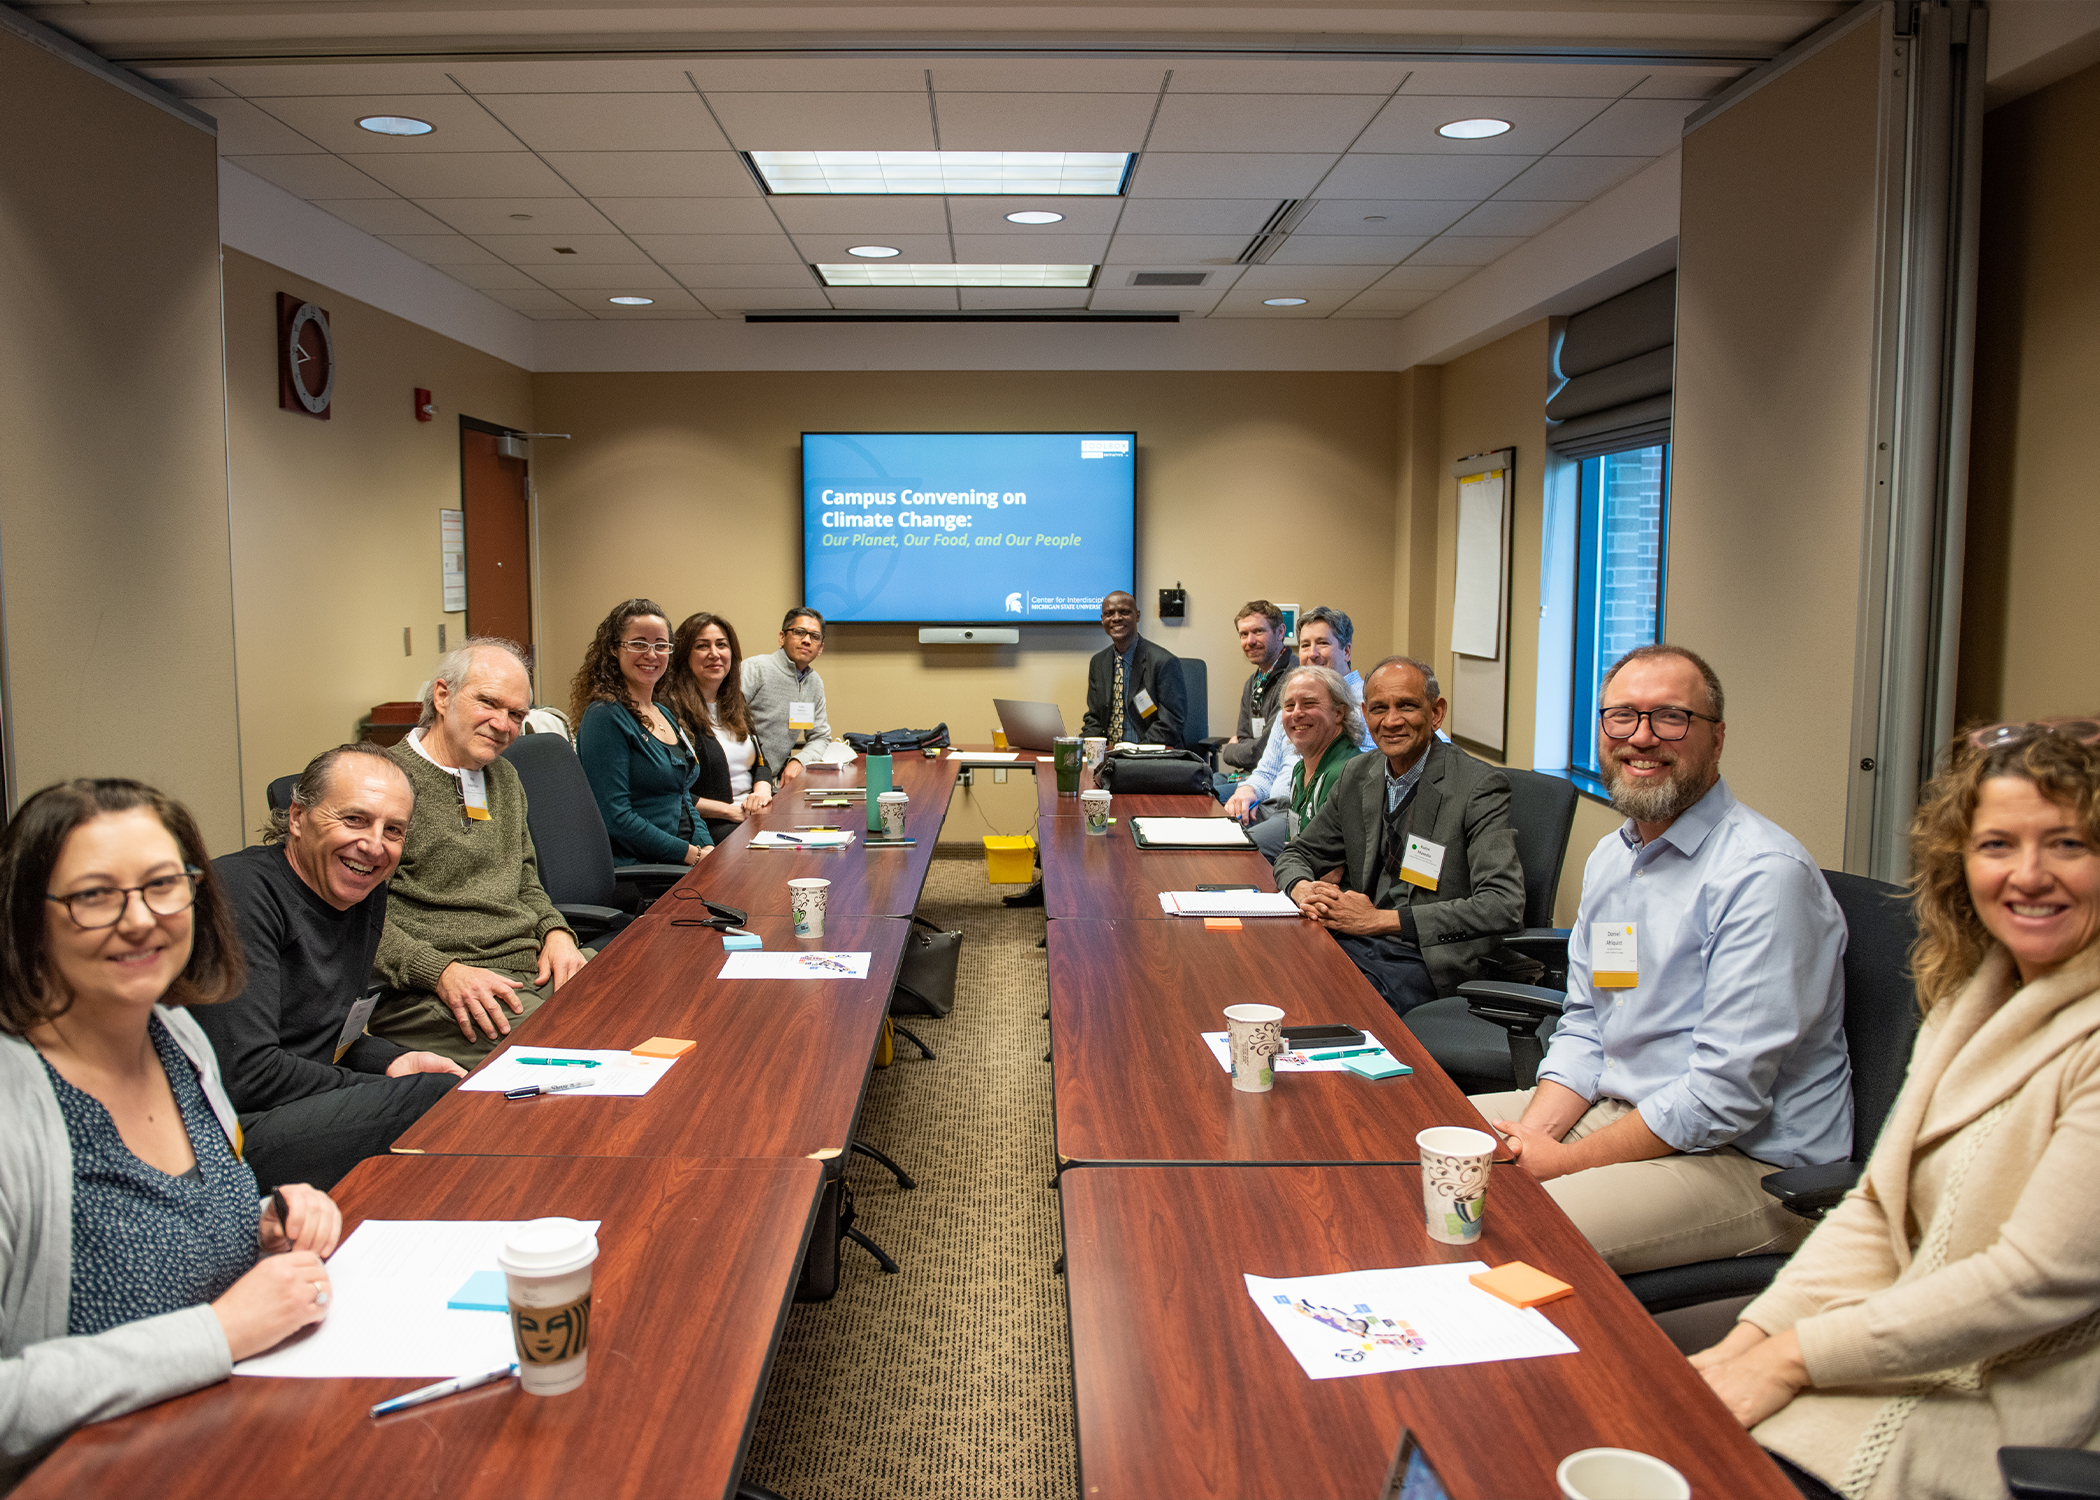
335,524
113,528
2028,644
1775,305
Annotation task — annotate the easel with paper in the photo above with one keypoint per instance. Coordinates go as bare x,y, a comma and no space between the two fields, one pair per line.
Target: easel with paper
1479,688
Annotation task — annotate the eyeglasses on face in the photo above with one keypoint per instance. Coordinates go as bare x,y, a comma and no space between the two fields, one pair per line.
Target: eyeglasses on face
804,633
647,648
1664,723
1992,736
103,905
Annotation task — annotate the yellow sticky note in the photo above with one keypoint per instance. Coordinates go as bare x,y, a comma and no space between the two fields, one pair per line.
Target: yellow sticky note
1521,1285
662,1046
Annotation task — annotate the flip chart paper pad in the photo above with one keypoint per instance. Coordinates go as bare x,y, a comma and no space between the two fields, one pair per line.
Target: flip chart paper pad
1292,1061
387,1319
1405,1318
1476,608
1205,833
618,1074
1227,904
795,966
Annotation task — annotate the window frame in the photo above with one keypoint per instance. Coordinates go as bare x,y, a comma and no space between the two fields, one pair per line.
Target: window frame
1586,666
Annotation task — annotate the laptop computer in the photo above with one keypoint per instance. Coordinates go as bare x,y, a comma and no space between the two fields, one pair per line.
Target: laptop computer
1029,726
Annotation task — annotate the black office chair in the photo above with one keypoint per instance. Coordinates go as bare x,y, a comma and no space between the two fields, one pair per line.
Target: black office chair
568,835
1485,1056
279,792
2050,1473
1195,727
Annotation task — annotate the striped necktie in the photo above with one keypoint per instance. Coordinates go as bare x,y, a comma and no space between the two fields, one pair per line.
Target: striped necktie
1115,714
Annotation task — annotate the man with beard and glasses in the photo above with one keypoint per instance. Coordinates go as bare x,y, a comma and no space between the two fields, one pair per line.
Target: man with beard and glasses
1703,1043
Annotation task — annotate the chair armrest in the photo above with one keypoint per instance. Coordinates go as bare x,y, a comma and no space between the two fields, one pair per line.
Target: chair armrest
1812,1192
673,873
1546,944
589,921
2050,1473
1508,1004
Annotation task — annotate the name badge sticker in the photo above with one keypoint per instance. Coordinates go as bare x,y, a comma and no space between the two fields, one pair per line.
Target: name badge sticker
354,1026
1422,862
474,785
1615,960
802,713
1142,702
1256,724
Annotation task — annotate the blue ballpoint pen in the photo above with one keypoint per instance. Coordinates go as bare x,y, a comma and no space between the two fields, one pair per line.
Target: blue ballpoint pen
442,1388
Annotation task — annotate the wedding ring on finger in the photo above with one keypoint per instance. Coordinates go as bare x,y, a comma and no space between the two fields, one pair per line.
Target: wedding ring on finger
320,1294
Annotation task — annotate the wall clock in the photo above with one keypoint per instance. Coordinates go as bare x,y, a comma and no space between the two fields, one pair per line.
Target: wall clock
305,357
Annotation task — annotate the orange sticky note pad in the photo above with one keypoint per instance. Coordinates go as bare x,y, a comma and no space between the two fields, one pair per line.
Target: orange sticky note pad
1521,1285
662,1046
1222,924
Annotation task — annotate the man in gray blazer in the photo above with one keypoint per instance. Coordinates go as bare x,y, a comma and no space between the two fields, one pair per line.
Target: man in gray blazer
1419,835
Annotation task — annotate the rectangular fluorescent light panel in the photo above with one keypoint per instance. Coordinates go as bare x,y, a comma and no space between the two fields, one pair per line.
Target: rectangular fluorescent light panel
1031,174
878,273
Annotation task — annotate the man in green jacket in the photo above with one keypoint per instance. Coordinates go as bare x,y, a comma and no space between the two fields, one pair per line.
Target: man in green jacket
469,933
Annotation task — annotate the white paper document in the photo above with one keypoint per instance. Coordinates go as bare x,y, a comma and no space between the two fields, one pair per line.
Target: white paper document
387,1319
617,1074
1291,1061
989,757
802,839
1402,1318
1227,904
795,966
1209,833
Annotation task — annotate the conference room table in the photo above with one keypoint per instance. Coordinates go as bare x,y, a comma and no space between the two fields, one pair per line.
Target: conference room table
1107,875
696,1263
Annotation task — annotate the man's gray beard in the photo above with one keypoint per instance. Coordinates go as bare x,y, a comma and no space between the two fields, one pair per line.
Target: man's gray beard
1654,803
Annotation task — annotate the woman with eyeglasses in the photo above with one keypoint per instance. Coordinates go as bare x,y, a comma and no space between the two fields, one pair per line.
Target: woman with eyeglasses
136,1259
640,760
1951,1302
705,688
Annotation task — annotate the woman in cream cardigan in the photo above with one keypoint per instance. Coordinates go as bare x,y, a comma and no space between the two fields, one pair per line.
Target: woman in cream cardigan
1951,1303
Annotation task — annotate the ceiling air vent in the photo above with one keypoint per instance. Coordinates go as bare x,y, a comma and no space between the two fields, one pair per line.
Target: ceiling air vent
1170,278
1289,214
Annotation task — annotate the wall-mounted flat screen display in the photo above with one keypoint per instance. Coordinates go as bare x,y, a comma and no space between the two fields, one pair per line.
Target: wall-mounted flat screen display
967,528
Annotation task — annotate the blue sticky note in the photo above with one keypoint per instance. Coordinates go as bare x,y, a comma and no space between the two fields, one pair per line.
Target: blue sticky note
484,1291
733,941
1376,1065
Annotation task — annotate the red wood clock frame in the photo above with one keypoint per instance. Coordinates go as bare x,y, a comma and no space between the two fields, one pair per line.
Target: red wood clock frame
305,357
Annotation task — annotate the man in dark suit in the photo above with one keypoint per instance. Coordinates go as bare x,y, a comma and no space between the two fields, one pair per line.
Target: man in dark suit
1133,688
1421,836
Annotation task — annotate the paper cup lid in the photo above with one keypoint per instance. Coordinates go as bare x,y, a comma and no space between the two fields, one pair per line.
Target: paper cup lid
548,1247
893,797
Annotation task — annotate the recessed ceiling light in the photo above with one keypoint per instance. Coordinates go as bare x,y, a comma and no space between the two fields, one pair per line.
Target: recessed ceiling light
1013,174
944,275
631,301
1283,302
395,125
1473,130
1035,216
874,252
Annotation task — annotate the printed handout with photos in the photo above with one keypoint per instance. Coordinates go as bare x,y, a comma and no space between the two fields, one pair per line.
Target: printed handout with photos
1402,1318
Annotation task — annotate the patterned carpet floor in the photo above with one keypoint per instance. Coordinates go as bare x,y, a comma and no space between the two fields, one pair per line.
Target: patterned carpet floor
952,1378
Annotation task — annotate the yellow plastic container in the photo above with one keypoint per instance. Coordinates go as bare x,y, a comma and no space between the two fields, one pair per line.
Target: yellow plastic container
1009,858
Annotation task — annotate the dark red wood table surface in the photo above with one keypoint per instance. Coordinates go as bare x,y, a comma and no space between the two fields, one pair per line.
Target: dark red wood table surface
779,1070
1107,875
1183,1389
695,1266
1134,1081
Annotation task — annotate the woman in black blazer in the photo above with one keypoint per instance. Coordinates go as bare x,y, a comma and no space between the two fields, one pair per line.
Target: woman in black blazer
705,688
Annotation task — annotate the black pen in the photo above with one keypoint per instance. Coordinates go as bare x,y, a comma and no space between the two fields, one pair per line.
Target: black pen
284,1216
534,1090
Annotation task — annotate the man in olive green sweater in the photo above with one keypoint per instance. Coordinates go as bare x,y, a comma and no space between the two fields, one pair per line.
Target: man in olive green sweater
469,930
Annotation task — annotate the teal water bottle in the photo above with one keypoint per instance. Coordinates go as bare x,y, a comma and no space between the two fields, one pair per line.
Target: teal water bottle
878,779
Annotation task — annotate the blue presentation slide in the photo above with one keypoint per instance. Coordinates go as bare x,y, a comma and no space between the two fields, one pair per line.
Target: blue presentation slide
965,527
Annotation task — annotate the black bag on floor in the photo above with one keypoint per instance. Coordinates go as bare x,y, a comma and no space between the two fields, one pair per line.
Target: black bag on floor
926,973
819,1281
1175,772
898,741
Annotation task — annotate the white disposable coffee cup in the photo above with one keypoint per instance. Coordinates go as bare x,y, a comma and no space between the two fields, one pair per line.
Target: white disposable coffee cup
892,806
547,1266
806,898
1455,1163
1255,1035
1094,804
1093,750
1619,1474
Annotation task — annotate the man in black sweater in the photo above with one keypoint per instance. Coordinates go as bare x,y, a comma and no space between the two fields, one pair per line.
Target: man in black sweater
315,1094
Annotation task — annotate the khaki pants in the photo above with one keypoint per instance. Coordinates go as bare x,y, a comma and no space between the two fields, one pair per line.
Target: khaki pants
419,1021
1671,1211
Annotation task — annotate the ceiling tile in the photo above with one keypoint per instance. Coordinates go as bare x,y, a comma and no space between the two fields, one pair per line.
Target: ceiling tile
1465,250
573,76
655,174
1215,278
1043,122
643,279
1193,249
664,302
913,249
289,80
718,278
974,215
1185,299
895,298
1347,249
490,278
689,215
1686,83
1377,304
1402,216
331,121
548,249
245,130
610,122
442,249
383,215
1020,298
463,174
313,176
1246,174
1261,122
1421,278
1244,301
773,249
185,82
822,213
540,300
1514,217
1022,247
733,303
1274,280
1410,124
1050,75
1234,216
827,122
1364,176
1483,79
520,215
745,75
1633,127
1571,178
1285,76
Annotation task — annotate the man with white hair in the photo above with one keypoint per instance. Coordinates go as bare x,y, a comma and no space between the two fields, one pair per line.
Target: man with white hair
470,933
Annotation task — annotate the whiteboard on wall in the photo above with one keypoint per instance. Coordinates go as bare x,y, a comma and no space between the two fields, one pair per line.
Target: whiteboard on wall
1479,687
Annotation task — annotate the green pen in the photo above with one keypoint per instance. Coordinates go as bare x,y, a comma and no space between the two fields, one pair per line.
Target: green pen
558,1062
1345,1052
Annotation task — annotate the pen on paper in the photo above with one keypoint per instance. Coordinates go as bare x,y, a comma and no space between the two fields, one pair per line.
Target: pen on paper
534,1090
442,1388
559,1062
284,1216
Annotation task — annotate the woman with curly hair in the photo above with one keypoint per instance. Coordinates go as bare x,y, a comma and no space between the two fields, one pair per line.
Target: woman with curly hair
705,688
1951,1302
641,762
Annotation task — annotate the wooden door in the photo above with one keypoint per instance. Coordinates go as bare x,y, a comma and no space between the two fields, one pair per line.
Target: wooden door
497,500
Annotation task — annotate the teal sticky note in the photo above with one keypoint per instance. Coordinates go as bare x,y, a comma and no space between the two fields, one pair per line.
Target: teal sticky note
733,941
1376,1065
484,1291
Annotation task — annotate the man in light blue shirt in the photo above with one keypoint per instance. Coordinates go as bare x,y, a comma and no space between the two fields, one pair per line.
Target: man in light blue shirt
1703,1043
1325,638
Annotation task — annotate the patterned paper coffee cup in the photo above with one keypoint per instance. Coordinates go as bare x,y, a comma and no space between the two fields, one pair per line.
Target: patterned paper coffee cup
1255,1035
1095,806
1455,1163
806,899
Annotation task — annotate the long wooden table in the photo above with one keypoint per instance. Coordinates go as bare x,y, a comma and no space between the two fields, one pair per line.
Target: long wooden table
696,1263
1134,1081
1183,1389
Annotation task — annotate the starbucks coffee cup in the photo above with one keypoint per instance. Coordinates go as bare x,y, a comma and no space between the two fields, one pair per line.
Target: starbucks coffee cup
547,1266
